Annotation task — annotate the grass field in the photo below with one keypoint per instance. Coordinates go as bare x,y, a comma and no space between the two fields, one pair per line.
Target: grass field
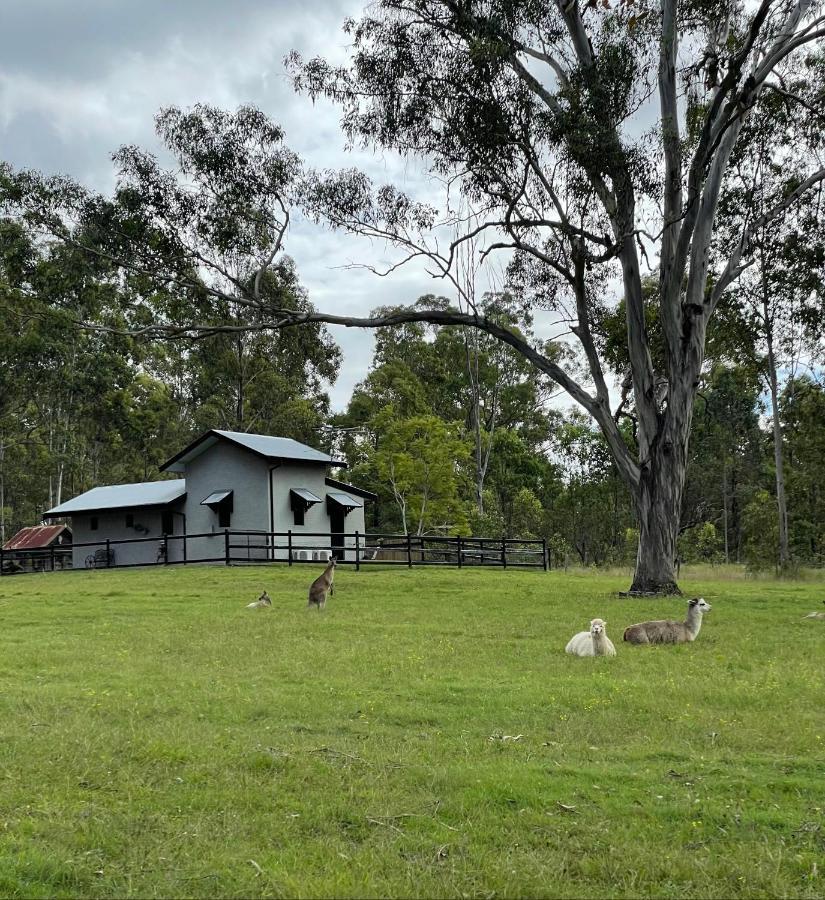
425,736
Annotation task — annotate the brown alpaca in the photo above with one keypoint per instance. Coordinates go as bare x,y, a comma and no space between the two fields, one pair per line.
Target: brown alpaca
663,631
321,586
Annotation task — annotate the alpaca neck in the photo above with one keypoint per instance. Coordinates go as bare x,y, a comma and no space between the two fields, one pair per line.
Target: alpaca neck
599,644
694,621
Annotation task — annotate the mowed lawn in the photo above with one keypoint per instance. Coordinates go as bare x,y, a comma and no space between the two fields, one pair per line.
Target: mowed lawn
425,736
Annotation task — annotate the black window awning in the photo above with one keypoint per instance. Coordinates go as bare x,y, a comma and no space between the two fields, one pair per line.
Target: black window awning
302,498
341,501
218,500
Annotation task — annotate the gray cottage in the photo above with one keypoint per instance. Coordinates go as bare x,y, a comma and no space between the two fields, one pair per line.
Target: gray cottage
252,483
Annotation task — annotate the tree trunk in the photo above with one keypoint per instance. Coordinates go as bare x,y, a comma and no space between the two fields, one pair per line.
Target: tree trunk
781,502
2,493
725,507
658,507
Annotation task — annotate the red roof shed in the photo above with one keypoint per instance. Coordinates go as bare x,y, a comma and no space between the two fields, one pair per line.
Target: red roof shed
38,537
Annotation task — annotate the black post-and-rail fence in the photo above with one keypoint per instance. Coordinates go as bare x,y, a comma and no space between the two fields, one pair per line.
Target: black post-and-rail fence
232,547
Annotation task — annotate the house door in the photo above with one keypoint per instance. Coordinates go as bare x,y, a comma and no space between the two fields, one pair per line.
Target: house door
337,517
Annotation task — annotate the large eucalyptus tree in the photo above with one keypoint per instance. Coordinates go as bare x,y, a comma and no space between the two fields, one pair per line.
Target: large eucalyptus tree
591,140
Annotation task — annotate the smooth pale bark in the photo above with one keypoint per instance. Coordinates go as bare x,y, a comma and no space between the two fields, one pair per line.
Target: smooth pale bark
778,456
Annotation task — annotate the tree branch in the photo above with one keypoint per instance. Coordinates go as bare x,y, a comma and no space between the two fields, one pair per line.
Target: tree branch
734,267
287,318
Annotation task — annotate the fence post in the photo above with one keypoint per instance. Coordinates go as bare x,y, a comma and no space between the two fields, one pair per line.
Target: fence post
184,545
226,544
409,551
544,553
503,552
459,551
357,552
166,549
108,554
51,553
289,545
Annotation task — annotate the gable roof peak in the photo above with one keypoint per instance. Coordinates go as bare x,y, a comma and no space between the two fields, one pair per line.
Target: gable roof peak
263,445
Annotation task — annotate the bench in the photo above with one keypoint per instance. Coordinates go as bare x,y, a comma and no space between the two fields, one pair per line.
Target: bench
101,558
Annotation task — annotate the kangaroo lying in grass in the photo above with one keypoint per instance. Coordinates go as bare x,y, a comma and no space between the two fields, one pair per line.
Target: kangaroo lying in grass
321,586
263,602
815,615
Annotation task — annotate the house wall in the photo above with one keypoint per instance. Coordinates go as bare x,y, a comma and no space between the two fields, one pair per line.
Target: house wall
112,525
227,467
316,519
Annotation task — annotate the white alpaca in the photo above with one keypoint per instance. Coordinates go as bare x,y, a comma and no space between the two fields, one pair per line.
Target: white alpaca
591,643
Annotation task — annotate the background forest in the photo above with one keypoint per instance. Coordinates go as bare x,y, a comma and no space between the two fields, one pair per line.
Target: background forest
454,431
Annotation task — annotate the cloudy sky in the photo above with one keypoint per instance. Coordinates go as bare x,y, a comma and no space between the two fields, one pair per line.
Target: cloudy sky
80,78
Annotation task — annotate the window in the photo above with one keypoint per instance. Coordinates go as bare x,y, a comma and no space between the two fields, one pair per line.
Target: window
167,522
130,520
93,523
220,502
300,500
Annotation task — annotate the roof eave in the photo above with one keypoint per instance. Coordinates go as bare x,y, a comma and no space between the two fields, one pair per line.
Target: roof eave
359,492
166,467
157,504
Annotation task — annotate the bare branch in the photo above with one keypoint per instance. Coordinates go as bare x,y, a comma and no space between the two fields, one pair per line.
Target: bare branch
734,266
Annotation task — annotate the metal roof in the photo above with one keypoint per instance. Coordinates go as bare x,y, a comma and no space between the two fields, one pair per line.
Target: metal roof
121,496
265,445
343,499
306,495
216,498
36,536
350,488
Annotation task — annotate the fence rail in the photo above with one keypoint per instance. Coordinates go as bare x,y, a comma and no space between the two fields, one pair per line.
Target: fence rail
233,547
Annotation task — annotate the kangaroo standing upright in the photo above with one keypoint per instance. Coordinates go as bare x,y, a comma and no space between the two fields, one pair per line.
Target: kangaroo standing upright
322,585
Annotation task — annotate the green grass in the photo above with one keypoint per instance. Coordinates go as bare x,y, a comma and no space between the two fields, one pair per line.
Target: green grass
159,740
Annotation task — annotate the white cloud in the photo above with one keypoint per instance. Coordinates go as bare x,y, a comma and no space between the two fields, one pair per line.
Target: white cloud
78,80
